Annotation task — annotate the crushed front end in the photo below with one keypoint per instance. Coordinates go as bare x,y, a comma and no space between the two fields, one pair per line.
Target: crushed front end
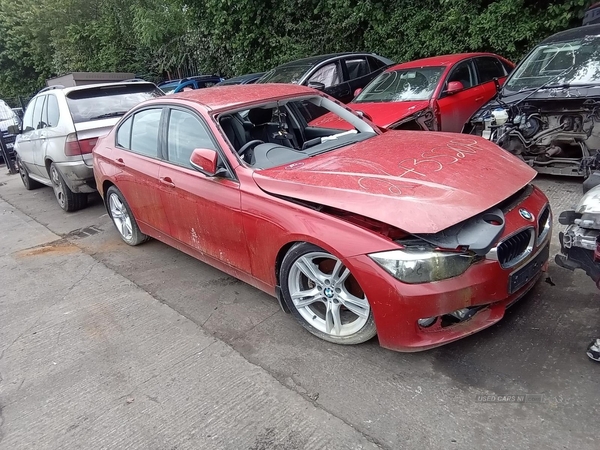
580,242
558,135
489,262
548,110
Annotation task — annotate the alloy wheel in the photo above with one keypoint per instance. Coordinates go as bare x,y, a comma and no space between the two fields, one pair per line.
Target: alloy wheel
58,186
120,216
326,294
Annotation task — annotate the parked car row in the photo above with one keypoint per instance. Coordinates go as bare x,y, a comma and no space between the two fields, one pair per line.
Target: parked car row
359,218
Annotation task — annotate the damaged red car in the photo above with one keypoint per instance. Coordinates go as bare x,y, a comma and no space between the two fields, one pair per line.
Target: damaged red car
419,238
434,94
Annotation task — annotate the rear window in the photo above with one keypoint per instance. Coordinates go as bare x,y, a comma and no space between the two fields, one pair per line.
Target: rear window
108,101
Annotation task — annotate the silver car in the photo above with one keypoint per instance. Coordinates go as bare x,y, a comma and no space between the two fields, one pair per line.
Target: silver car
60,128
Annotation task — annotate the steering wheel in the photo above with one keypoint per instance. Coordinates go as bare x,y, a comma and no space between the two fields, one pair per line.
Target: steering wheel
248,145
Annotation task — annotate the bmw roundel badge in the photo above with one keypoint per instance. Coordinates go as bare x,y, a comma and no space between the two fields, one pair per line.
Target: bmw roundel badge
526,214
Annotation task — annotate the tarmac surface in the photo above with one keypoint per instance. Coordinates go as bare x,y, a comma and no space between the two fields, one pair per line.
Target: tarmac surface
107,346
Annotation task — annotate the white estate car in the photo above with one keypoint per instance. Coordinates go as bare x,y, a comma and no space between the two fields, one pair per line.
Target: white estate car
60,128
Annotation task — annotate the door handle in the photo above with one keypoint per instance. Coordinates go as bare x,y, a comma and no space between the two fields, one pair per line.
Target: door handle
478,99
166,181
119,162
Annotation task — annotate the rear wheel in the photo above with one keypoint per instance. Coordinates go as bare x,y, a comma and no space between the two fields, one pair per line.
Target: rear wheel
323,295
67,199
122,217
29,183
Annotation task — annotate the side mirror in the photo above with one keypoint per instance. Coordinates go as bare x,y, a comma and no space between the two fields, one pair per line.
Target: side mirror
204,160
356,92
14,129
454,87
316,85
497,84
362,114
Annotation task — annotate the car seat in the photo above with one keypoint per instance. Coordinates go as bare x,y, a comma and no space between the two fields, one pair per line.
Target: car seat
234,130
265,130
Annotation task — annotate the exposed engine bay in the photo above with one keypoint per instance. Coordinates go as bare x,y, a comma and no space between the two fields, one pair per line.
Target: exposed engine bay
547,112
559,136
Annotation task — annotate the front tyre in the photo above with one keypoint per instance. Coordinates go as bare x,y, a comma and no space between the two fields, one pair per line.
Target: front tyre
323,295
28,182
122,217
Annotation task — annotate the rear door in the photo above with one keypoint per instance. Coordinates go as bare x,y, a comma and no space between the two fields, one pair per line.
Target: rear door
488,68
358,73
456,109
137,156
204,212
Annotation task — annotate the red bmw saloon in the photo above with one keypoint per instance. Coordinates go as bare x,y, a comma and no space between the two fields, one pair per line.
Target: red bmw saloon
420,238
435,94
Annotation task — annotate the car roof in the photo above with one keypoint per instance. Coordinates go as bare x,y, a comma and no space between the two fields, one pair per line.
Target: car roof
238,95
442,60
574,33
66,90
247,76
314,60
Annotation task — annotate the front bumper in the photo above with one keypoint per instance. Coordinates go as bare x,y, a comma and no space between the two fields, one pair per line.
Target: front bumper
483,291
78,176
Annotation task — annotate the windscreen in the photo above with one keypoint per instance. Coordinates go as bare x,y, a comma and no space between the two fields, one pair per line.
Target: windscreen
108,101
402,85
575,62
286,74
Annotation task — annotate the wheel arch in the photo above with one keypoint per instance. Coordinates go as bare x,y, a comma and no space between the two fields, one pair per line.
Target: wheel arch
284,249
47,162
106,184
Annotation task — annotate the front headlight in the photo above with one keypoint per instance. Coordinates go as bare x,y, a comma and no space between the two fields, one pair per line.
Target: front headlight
423,265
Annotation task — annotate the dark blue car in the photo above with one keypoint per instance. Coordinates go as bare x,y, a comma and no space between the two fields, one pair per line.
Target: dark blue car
181,84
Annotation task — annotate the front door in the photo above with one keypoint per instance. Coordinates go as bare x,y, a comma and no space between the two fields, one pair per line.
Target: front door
332,77
26,140
204,212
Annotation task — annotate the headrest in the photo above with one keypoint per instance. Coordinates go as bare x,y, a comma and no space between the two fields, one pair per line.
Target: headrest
260,116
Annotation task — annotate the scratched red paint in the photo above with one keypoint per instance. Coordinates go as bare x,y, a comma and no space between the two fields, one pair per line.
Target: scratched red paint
416,181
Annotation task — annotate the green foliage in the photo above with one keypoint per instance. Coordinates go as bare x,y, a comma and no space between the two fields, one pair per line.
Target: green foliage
160,38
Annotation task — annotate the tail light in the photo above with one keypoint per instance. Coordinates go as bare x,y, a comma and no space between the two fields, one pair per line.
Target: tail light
597,251
75,147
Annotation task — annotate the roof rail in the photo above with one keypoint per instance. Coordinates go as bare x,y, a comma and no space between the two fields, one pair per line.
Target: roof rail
49,88
133,80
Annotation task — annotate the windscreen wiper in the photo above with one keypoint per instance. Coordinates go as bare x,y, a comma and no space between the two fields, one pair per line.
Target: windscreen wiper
107,115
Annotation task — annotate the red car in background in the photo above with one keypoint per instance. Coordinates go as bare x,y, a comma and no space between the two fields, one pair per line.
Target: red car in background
437,94
356,232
